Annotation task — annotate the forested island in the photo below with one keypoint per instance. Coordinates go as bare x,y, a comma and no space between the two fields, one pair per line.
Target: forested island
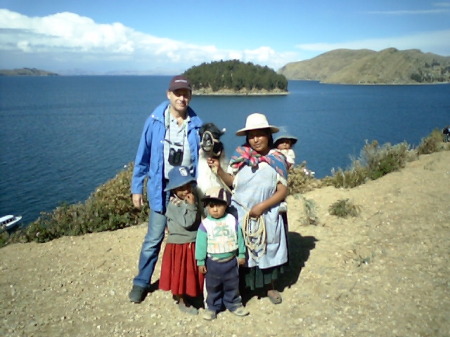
235,78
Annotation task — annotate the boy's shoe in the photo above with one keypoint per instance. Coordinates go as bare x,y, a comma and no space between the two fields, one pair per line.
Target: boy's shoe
241,311
137,294
209,315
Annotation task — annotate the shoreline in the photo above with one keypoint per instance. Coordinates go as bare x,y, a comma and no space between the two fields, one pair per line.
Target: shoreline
242,92
239,94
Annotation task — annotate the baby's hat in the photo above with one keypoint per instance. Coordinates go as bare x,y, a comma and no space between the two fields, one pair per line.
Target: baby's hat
218,193
284,134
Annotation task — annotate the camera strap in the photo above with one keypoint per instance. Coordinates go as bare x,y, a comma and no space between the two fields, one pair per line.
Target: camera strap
169,134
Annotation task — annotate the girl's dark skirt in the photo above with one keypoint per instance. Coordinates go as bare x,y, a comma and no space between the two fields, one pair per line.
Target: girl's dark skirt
255,278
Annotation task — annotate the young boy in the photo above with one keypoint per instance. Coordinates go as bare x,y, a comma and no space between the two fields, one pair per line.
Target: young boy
219,251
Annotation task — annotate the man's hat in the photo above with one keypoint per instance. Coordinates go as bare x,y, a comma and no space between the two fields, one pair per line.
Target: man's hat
179,82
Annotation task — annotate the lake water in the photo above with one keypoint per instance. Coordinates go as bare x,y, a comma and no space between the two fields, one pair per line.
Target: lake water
61,137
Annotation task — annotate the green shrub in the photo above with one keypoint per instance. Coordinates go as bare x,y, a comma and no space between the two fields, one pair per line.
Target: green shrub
381,160
344,208
432,143
375,161
108,208
301,179
354,176
4,238
310,211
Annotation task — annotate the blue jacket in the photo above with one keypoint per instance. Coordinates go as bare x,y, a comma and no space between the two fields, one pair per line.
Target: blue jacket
149,161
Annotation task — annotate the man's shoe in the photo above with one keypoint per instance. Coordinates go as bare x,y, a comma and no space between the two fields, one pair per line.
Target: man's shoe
209,315
241,311
137,294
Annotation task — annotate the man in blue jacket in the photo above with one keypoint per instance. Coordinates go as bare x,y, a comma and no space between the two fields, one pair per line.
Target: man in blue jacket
170,138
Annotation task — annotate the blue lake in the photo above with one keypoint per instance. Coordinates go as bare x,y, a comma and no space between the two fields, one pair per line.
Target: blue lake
61,137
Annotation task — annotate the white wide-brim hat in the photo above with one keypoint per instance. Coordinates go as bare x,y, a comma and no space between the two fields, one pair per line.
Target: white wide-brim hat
256,121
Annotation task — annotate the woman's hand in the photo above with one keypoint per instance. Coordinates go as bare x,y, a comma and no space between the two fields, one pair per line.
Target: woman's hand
202,269
279,195
213,163
257,210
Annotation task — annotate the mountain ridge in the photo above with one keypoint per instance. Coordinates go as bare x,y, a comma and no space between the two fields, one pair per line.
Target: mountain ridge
365,66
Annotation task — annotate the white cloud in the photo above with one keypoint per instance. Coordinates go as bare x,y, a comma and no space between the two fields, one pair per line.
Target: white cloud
62,31
437,42
67,38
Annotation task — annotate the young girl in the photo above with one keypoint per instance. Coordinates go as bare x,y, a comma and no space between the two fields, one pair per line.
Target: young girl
258,174
179,272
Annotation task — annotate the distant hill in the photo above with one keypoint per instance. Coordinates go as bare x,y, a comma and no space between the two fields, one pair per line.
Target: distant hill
364,66
26,72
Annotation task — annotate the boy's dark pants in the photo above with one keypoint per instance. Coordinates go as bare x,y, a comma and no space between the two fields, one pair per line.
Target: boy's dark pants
222,285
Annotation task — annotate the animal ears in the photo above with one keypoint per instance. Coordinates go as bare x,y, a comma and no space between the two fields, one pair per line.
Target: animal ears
212,128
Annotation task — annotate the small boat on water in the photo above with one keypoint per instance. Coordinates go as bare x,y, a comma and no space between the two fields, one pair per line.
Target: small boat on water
8,222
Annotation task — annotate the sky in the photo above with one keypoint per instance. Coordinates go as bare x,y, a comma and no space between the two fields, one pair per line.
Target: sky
160,37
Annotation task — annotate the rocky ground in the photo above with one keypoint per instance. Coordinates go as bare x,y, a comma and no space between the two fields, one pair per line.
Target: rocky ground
382,273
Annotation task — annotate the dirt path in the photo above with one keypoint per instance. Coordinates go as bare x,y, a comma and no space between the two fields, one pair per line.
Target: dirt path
383,273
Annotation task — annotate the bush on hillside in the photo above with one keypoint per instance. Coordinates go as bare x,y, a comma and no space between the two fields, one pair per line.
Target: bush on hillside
381,160
344,208
354,176
432,143
108,208
375,161
301,179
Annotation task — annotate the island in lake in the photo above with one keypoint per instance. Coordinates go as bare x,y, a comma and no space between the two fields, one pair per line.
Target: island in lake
231,78
26,72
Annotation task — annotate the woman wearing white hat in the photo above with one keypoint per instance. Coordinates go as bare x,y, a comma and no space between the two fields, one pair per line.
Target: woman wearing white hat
258,176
